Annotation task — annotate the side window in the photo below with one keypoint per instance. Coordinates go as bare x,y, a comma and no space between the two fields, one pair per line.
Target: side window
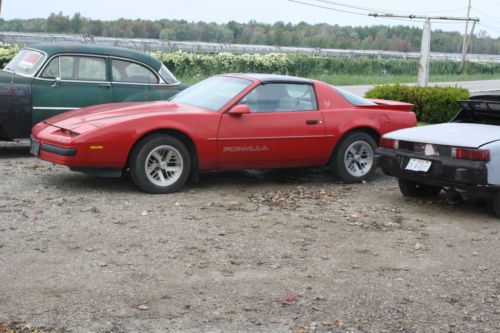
91,69
130,72
281,97
67,68
52,69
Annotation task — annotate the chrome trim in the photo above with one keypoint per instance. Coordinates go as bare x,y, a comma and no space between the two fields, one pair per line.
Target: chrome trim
71,81
56,108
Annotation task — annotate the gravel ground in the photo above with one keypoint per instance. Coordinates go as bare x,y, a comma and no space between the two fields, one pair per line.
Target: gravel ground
287,251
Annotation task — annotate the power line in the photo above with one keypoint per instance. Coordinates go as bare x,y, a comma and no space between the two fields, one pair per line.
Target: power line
384,10
329,8
347,11
484,14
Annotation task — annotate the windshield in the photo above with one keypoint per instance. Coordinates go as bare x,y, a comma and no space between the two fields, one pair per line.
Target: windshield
212,93
26,62
167,75
353,99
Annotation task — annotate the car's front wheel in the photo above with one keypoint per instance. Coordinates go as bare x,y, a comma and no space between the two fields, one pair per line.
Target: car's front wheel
160,164
354,157
413,189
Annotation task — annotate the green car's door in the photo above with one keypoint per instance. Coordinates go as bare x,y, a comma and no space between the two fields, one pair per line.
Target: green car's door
131,80
70,82
136,82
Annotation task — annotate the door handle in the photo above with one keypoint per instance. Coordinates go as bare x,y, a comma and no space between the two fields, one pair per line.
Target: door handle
312,122
104,85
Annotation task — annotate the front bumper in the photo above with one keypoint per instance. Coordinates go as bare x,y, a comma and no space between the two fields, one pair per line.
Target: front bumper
444,172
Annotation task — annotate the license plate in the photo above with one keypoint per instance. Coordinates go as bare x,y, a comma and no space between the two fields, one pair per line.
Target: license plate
418,165
35,147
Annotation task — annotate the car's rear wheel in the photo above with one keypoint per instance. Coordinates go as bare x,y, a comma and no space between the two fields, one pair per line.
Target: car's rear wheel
160,164
354,157
413,189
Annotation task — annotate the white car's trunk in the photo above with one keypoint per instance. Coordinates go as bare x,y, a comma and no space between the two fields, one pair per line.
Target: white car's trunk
450,134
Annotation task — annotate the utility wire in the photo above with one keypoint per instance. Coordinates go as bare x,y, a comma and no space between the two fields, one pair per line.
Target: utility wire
384,10
349,12
329,8
485,15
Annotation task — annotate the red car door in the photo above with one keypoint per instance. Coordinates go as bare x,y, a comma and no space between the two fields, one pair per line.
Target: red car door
284,129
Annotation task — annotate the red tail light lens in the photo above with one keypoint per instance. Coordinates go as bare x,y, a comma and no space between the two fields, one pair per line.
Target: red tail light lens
389,143
471,154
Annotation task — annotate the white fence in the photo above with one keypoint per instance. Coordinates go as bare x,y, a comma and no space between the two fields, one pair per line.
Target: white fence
153,45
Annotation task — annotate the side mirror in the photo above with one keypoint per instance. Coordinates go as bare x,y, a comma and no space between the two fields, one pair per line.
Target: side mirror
239,110
57,81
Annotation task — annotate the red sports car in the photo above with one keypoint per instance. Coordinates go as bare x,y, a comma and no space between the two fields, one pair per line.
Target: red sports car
227,122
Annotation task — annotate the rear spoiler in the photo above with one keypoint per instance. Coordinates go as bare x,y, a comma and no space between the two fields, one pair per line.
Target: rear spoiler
391,105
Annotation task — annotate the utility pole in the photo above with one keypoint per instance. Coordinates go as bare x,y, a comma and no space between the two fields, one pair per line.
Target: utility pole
466,43
0,7
425,53
423,72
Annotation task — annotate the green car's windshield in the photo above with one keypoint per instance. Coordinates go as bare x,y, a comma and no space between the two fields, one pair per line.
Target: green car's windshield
26,62
213,93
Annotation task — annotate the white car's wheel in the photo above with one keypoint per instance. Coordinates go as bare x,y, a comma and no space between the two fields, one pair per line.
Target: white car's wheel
496,204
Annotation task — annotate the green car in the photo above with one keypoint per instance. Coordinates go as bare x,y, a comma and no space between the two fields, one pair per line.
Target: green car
47,79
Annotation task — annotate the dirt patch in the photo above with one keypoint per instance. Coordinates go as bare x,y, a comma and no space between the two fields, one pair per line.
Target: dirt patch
290,251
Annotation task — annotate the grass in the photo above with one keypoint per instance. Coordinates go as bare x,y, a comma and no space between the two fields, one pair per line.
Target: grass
347,80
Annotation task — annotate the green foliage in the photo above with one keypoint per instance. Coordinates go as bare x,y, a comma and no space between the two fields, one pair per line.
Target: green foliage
396,38
201,65
432,104
6,54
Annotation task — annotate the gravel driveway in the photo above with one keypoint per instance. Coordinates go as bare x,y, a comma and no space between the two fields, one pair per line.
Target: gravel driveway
287,251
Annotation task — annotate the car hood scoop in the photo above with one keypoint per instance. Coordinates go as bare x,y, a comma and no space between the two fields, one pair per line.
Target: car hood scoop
450,134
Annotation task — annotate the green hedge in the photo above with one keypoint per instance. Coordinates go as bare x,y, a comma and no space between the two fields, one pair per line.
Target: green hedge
6,54
432,104
196,64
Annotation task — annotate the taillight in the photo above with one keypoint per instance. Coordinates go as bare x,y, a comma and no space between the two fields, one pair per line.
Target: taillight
471,154
389,143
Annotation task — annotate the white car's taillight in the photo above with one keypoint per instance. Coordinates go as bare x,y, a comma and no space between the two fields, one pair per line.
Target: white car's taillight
389,143
471,154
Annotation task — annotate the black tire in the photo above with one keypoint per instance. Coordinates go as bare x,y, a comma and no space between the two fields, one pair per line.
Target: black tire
141,152
413,189
338,161
496,204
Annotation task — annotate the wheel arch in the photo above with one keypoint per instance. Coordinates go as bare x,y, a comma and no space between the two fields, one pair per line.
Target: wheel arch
181,136
364,129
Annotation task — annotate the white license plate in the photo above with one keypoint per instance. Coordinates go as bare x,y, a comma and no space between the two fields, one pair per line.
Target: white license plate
35,147
418,165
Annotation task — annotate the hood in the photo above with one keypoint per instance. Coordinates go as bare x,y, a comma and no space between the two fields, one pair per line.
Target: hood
9,78
449,134
106,114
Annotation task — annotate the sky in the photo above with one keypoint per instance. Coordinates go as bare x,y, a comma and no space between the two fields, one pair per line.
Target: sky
266,11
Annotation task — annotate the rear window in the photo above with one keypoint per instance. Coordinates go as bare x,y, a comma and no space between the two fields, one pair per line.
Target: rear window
26,62
353,99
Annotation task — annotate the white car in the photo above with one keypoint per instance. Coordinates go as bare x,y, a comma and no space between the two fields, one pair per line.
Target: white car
463,154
